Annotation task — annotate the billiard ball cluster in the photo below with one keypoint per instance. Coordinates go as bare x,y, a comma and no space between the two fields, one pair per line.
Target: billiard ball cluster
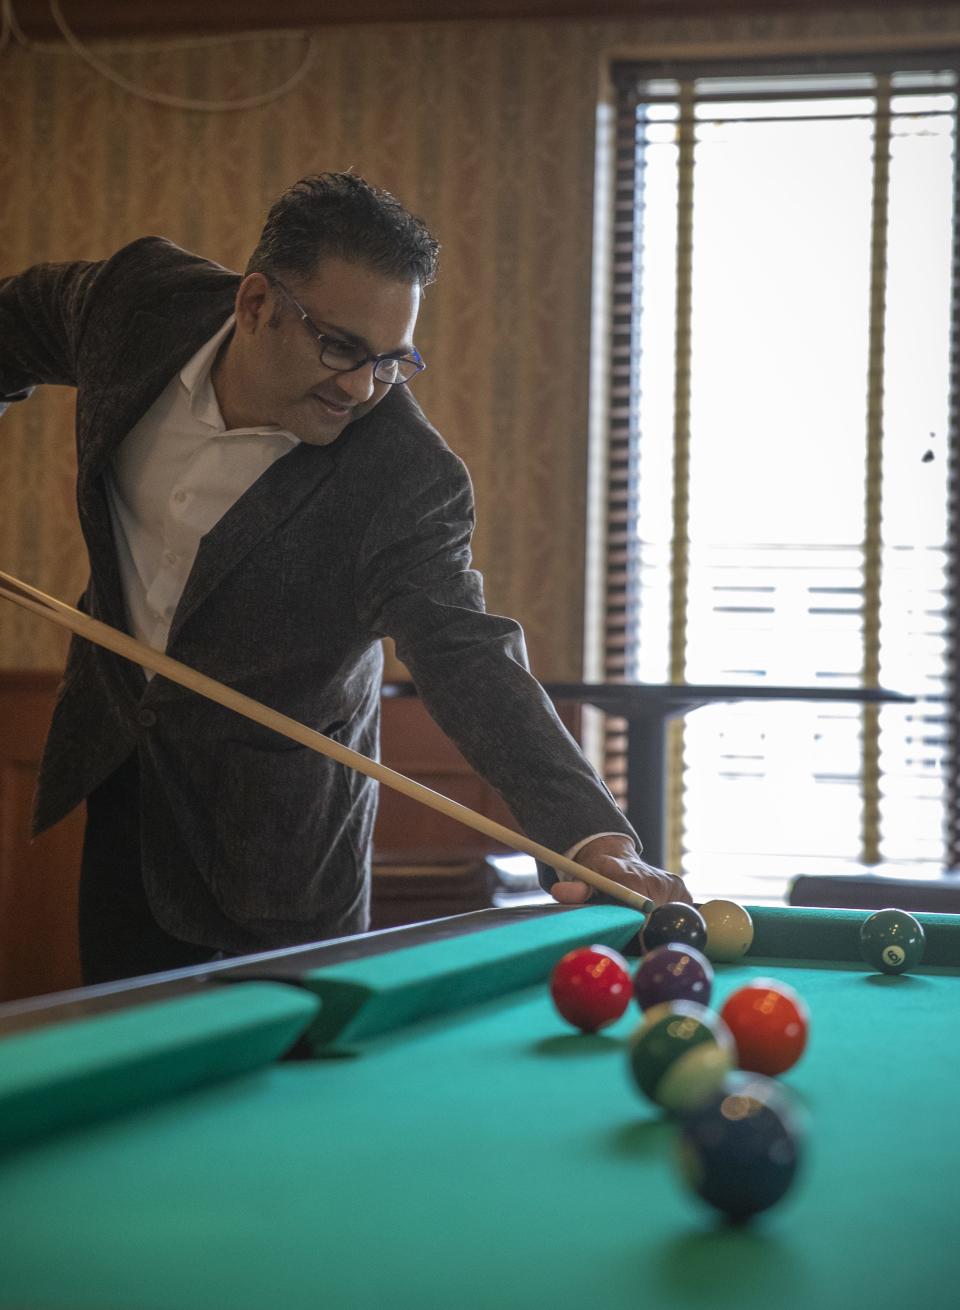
739,1134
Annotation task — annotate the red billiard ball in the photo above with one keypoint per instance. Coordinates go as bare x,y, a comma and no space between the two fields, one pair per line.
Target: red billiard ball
591,987
769,1022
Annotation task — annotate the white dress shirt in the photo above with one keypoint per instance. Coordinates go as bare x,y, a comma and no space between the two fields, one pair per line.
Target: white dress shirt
176,474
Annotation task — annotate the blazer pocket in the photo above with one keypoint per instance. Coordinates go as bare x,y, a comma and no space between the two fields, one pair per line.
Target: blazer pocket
281,833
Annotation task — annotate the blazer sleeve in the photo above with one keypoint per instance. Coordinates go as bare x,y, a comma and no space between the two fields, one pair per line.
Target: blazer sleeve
42,317
417,586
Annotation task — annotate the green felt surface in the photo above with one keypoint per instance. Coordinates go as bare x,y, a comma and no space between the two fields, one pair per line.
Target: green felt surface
380,993
832,934
493,1159
60,1076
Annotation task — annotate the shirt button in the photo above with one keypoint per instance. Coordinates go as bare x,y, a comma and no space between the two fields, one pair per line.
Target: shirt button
179,497
146,718
169,557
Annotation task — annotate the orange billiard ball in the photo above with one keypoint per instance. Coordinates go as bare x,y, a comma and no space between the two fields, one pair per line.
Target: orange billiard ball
770,1023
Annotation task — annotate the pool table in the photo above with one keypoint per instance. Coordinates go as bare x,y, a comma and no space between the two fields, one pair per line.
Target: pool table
402,1120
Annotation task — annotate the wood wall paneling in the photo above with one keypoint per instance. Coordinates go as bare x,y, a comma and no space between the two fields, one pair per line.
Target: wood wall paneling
38,879
412,743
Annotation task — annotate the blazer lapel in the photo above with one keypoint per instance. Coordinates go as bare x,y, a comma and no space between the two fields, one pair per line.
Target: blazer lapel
271,500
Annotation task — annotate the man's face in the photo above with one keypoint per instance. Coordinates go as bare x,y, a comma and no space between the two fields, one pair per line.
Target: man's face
283,376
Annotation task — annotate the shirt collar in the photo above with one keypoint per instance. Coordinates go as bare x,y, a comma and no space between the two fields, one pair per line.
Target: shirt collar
201,396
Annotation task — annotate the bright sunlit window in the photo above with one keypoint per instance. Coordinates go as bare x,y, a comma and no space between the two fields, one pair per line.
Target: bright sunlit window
789,379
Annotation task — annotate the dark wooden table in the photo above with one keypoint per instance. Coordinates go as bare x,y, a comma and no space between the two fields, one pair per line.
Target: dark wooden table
649,707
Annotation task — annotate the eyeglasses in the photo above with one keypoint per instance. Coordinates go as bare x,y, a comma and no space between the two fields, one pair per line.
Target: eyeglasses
344,357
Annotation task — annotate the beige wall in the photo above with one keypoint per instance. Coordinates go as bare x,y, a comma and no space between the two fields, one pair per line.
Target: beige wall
486,129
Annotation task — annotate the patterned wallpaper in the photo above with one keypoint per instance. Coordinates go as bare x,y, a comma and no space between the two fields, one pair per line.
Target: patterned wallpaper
486,129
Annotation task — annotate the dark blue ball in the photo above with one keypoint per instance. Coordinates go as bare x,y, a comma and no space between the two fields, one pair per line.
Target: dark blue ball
673,973
674,922
740,1151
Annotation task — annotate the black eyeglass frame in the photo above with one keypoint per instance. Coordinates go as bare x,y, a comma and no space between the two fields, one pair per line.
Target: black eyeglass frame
323,338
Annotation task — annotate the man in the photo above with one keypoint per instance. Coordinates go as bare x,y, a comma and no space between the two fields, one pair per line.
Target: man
261,496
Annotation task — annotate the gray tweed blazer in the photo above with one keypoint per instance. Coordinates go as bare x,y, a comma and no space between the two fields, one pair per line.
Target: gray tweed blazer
250,841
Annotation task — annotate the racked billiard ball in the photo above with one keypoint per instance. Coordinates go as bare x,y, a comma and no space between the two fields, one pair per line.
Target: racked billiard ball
740,1151
729,930
674,922
591,987
673,973
680,1054
892,941
769,1023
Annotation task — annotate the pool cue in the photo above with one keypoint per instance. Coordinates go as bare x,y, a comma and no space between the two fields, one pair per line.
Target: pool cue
121,643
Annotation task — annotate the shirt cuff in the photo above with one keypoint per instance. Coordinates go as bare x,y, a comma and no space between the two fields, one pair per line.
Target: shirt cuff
577,847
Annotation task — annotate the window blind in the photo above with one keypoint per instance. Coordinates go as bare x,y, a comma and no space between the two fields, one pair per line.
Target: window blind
782,490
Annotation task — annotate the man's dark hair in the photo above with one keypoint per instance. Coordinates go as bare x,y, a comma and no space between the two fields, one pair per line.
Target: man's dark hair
341,215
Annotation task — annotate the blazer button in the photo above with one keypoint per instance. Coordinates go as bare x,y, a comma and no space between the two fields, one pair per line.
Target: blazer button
146,718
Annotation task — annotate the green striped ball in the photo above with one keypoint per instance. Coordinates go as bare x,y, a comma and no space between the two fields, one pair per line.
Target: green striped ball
680,1055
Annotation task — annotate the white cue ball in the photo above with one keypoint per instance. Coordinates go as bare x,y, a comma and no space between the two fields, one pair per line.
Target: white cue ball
729,931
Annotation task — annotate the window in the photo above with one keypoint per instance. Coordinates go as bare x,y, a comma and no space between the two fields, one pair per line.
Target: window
779,453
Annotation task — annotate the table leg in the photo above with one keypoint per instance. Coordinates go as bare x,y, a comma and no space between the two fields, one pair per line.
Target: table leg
647,782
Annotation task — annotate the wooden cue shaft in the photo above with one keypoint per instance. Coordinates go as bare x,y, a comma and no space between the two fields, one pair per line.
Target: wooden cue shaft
121,643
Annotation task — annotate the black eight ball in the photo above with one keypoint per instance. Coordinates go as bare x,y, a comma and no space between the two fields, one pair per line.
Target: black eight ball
674,922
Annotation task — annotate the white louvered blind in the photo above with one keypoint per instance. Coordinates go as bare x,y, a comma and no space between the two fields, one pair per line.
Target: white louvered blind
784,454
